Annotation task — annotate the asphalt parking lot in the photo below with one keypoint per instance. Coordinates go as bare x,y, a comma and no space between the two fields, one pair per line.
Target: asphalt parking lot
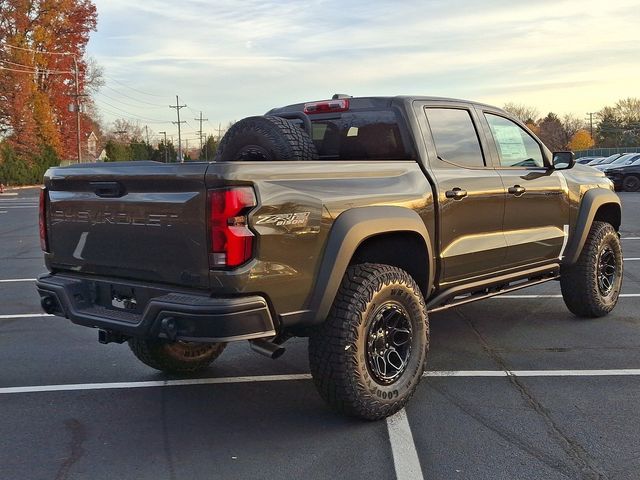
74,409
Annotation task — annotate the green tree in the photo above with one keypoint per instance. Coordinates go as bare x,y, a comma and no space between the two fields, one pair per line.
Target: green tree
20,170
619,125
552,132
209,149
117,152
164,153
140,150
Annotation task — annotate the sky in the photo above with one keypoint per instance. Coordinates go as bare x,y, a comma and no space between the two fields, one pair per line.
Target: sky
232,59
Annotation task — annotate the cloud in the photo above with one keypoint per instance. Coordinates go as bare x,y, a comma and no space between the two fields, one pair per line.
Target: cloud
233,59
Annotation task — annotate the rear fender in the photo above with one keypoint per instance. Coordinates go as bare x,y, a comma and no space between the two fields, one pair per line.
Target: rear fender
350,229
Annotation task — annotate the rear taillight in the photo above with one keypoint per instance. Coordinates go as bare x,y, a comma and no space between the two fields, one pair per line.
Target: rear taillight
44,241
327,106
231,239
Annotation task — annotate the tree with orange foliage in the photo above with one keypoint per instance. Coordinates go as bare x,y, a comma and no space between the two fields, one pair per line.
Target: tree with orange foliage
38,42
581,140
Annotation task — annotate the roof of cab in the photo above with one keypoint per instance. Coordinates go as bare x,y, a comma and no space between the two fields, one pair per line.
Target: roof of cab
363,102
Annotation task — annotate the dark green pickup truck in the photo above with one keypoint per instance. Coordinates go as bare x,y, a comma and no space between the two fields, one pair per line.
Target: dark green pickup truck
346,220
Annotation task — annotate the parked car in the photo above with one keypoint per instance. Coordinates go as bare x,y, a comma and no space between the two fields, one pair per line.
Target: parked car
625,159
585,160
347,221
626,177
605,160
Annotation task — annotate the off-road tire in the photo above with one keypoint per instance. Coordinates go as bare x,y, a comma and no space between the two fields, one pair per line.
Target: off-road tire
265,138
338,348
175,357
579,282
631,183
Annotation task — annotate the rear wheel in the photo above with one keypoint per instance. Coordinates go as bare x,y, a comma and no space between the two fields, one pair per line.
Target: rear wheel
175,357
591,287
369,356
631,183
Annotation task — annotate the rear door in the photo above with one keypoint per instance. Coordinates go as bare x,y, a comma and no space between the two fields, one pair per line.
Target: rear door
136,220
536,219
470,193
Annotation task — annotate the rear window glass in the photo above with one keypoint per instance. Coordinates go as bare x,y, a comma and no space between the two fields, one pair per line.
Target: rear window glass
366,135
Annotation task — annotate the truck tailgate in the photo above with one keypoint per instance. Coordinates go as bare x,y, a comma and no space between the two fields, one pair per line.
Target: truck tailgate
137,220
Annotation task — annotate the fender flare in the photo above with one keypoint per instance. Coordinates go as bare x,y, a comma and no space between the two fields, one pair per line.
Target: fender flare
349,230
591,201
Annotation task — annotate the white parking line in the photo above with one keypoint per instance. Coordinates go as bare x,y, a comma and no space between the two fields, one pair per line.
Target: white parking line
16,280
497,297
619,372
630,238
159,383
405,456
24,315
3,211
632,259
631,372
7,194
12,207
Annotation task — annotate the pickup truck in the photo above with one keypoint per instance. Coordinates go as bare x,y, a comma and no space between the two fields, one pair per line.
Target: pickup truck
348,221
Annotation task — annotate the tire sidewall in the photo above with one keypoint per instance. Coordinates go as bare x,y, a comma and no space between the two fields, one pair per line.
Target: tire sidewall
609,239
403,295
631,188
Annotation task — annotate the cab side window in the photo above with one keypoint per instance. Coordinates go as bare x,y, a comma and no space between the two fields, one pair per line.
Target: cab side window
516,148
455,137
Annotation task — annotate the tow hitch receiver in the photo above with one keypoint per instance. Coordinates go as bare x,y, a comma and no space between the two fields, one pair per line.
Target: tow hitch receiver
108,336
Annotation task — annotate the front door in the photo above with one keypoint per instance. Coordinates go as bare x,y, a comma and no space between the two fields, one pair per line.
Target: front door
536,220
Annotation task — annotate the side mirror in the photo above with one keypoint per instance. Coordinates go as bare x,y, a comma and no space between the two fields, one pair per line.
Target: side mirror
563,160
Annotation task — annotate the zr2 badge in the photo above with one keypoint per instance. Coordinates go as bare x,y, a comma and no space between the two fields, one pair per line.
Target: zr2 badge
298,219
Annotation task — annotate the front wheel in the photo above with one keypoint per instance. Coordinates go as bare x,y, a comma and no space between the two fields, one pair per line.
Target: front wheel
175,357
369,356
591,287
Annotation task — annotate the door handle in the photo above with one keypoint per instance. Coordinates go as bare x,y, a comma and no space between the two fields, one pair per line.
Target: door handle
517,190
456,193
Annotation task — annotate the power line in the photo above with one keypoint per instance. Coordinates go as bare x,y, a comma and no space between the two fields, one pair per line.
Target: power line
132,114
35,51
35,68
34,72
133,89
133,98
124,103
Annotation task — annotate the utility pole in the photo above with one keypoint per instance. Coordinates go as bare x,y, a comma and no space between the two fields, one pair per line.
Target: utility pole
200,131
187,146
166,150
591,114
219,131
77,96
146,129
177,106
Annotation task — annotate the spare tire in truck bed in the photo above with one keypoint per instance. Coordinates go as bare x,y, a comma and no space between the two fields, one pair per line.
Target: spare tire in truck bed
265,138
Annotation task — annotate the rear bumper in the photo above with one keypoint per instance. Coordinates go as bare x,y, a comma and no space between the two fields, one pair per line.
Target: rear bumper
159,313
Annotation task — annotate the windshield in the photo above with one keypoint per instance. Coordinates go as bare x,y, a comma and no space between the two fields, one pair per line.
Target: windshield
610,159
624,158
